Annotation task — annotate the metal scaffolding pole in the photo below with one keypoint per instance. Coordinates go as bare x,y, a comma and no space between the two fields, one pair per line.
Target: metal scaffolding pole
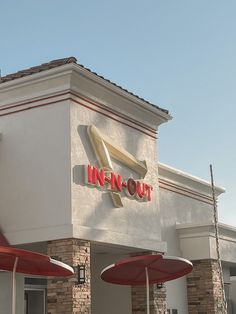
216,226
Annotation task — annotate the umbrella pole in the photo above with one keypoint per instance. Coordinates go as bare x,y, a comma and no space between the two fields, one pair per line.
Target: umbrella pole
147,290
14,287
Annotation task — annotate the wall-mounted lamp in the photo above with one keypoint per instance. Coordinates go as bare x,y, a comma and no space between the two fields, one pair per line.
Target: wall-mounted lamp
81,274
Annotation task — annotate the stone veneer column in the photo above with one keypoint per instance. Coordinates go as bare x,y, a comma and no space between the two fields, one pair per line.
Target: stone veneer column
157,296
157,299
65,295
204,288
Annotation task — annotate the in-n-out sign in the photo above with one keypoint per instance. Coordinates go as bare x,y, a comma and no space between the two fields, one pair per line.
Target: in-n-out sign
115,183
105,150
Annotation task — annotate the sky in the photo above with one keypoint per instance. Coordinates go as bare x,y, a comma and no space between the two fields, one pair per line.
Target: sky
179,55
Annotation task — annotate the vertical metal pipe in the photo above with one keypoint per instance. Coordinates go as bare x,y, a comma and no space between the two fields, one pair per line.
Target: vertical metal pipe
14,286
147,290
215,211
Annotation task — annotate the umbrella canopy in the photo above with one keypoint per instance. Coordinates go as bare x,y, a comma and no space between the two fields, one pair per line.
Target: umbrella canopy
27,262
32,263
133,270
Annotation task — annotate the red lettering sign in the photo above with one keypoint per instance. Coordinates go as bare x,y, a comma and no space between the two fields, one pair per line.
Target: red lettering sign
115,183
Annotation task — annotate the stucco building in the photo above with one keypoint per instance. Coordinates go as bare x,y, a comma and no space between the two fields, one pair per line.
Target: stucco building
60,126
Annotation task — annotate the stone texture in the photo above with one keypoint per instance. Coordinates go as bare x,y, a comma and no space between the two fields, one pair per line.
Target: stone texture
157,300
157,296
65,295
204,288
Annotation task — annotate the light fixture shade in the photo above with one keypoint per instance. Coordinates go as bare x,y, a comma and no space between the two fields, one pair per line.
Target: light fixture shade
81,274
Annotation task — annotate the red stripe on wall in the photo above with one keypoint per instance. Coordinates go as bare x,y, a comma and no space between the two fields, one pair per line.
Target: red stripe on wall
33,101
131,126
185,192
17,107
114,112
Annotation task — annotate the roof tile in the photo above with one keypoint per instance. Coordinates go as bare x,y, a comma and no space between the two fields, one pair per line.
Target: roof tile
60,62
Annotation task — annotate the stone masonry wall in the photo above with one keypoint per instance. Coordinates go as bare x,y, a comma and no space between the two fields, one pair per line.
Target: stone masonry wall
157,296
157,300
65,295
204,288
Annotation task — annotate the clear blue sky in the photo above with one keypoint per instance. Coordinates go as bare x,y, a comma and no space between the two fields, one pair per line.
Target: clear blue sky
180,55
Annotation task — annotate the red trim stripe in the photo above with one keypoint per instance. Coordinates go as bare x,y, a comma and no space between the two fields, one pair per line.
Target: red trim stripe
9,107
185,192
35,106
101,106
32,101
106,115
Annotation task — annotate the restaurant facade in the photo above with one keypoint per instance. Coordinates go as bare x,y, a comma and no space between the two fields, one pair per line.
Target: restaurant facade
81,181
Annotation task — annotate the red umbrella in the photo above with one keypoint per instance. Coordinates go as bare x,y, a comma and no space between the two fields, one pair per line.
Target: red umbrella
146,269
32,263
27,262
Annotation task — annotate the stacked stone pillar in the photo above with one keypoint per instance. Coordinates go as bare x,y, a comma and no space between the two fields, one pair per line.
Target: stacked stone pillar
157,296
157,299
65,295
204,288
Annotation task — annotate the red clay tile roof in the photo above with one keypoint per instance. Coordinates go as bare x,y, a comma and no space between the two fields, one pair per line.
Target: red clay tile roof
38,68
56,63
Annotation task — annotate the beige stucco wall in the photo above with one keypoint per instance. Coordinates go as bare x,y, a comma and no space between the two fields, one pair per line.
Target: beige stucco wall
183,199
136,224
44,147
35,174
